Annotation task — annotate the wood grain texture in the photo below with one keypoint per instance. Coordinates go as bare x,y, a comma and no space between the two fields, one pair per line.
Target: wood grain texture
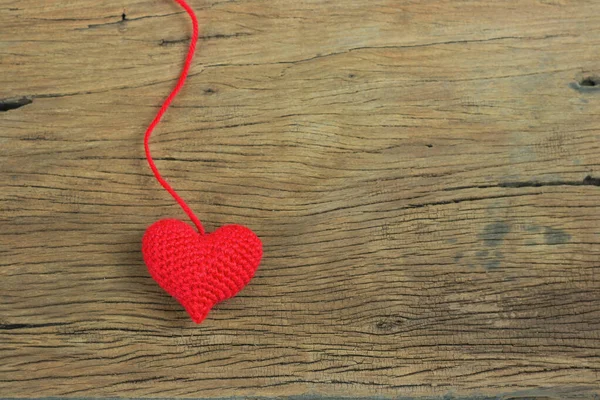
425,177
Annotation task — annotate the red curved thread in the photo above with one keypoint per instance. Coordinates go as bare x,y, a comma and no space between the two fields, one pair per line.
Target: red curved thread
163,109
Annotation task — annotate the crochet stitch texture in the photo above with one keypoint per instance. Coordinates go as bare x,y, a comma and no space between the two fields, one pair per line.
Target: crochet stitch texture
200,270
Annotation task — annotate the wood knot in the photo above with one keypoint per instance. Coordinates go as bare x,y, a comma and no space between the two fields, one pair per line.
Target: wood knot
390,323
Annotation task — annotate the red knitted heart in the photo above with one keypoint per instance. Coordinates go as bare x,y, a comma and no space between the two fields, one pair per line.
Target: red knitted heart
199,270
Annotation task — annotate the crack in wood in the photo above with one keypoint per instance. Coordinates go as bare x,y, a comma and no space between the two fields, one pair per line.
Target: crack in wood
13,104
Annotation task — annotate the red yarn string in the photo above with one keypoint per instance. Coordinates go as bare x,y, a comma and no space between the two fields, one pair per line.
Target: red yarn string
163,109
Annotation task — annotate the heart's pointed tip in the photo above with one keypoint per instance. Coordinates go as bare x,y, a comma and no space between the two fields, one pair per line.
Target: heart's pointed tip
198,312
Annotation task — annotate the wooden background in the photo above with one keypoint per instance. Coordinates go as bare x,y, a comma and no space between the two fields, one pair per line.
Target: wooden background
425,177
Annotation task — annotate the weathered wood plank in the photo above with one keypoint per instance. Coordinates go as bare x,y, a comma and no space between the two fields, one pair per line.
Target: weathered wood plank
424,175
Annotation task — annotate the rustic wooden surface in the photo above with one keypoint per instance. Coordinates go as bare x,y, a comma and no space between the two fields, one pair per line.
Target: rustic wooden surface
425,177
